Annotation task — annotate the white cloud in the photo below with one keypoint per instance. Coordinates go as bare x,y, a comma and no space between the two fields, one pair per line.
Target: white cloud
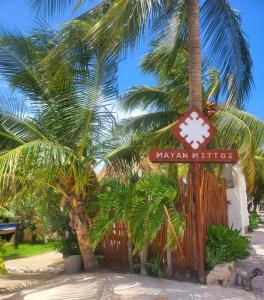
125,115
121,114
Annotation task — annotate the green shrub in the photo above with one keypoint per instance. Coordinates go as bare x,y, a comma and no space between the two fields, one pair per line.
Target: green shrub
68,246
3,270
224,245
154,265
254,220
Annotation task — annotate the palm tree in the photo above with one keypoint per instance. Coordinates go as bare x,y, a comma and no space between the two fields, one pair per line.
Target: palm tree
123,23
145,206
56,140
114,201
154,207
163,104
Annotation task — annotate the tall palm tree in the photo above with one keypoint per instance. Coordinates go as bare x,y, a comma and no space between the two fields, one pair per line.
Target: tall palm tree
56,140
123,23
165,103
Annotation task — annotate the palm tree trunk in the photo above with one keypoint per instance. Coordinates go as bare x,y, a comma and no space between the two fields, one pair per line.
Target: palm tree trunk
194,48
195,100
143,260
130,255
79,224
169,271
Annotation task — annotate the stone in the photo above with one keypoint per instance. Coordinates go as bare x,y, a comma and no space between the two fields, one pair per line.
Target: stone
220,275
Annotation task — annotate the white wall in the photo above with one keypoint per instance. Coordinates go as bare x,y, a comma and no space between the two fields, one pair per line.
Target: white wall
237,198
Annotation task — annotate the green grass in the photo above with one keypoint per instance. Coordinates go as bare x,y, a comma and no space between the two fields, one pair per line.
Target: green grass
26,250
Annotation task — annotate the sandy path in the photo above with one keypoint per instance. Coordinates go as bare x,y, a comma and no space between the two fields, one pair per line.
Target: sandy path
106,286
111,286
38,262
30,272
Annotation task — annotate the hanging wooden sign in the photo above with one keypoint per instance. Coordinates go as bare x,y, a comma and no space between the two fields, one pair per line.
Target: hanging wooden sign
194,131
199,156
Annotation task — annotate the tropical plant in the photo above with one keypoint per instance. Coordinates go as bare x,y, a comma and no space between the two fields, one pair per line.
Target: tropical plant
225,245
56,140
67,245
5,213
41,210
154,265
165,103
145,207
3,270
123,23
258,190
154,208
254,220
114,203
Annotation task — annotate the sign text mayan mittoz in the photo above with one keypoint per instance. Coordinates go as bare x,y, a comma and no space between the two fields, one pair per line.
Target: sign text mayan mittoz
194,131
200,156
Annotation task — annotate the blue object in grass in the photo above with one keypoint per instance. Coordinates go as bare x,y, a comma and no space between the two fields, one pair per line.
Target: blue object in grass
7,228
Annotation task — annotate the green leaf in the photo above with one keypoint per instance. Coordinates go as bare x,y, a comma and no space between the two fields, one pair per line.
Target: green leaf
227,49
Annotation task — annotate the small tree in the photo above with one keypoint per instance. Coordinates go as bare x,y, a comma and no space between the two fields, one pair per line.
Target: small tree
146,207
57,140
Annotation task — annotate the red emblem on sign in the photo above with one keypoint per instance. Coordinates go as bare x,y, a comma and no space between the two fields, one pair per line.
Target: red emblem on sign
194,130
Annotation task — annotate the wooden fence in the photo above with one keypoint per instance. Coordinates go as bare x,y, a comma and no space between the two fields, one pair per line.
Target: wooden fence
114,248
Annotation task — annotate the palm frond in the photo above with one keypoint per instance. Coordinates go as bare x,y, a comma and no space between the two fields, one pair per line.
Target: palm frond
125,22
114,202
81,88
178,227
171,40
16,127
18,56
34,159
244,132
71,59
147,98
213,85
51,7
148,217
86,117
96,12
123,156
255,125
148,123
227,49
5,213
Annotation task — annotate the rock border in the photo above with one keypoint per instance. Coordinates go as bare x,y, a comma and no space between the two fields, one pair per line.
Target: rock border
221,274
52,270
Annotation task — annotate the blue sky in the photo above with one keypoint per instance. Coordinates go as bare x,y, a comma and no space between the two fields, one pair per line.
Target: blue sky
18,14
